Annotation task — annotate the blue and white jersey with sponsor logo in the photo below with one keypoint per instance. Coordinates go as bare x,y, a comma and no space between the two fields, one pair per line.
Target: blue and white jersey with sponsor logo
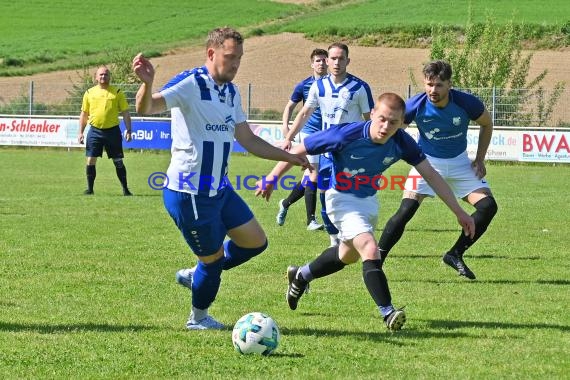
300,94
443,131
358,162
204,116
342,103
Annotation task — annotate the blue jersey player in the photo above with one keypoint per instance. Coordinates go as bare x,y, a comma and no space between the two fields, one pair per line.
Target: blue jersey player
442,116
206,116
360,152
307,187
342,98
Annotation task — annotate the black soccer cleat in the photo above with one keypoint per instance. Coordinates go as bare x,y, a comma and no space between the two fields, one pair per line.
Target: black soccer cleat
395,320
297,286
457,263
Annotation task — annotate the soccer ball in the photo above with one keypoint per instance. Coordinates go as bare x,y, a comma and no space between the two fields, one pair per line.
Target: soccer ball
255,333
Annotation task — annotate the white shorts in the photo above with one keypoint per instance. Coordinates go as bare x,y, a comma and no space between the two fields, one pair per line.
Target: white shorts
456,171
313,158
351,215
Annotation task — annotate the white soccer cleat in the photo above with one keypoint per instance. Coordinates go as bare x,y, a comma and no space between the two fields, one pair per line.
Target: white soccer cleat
314,226
282,214
207,323
184,277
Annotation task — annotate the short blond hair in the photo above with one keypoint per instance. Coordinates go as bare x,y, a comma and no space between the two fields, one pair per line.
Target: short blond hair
216,37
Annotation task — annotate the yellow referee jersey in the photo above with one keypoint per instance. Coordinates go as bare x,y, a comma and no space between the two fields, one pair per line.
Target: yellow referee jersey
104,105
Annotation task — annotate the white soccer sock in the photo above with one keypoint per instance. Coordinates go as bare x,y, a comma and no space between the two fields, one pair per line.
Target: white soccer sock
334,240
198,314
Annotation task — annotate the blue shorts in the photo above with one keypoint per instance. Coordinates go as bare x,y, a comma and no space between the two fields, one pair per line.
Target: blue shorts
325,173
109,138
205,221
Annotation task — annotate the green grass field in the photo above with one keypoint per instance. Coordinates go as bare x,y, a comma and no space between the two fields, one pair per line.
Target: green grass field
87,284
41,35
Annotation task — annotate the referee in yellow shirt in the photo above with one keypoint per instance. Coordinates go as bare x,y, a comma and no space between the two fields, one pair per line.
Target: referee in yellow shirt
101,107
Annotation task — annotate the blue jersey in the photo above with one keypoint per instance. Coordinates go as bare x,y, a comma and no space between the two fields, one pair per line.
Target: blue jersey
357,161
204,116
443,131
300,94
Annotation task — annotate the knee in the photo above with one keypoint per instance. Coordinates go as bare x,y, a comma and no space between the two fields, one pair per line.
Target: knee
488,206
261,248
118,162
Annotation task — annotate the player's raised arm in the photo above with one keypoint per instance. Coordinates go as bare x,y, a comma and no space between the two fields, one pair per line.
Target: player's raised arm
147,103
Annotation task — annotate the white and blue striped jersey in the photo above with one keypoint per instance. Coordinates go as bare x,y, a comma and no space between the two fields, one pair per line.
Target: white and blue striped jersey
340,104
443,131
204,116
357,161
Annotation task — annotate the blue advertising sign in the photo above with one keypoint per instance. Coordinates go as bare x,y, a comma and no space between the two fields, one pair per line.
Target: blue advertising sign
149,134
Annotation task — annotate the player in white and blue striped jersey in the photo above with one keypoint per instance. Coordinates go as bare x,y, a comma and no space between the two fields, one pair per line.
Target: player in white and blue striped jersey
360,152
442,116
307,187
206,116
342,98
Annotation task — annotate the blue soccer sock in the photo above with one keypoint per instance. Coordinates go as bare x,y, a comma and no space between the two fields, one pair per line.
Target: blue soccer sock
206,283
236,255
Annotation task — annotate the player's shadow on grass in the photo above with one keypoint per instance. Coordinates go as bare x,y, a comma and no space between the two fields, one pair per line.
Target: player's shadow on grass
453,325
479,281
470,257
399,338
71,328
425,229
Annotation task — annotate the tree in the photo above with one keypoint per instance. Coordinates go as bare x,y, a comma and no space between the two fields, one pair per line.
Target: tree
490,63
122,75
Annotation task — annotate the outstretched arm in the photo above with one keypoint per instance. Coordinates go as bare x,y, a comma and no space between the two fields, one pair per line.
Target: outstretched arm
444,192
261,148
147,103
300,120
265,188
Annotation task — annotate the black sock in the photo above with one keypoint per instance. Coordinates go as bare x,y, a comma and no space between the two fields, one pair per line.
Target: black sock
91,173
326,263
395,226
122,175
486,209
311,200
297,193
376,282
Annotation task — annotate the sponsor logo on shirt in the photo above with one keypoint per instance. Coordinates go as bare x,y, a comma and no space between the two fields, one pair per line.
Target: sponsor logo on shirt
217,127
353,172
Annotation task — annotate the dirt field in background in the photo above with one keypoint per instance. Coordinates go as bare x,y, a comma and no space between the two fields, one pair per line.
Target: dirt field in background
280,61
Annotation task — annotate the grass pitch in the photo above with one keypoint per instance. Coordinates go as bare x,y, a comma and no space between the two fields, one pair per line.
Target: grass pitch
87,284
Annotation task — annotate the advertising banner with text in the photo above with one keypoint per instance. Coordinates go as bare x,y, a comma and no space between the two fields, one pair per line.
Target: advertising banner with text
507,144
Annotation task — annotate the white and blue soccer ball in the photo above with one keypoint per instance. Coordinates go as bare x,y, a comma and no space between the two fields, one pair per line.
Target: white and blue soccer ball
256,333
